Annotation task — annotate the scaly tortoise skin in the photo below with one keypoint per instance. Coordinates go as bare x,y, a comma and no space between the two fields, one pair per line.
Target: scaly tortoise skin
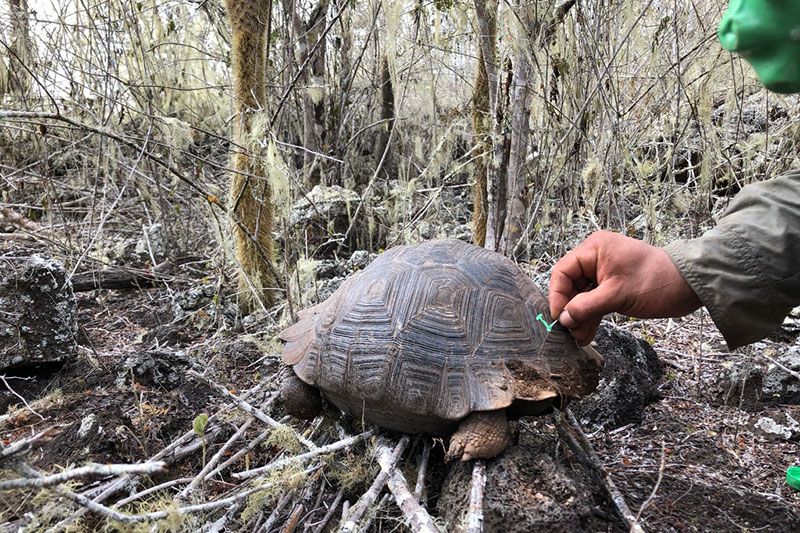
435,338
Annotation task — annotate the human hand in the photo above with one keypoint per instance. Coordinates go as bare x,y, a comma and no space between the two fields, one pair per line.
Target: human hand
612,273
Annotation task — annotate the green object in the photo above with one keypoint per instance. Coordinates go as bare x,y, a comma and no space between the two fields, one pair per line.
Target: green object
541,319
767,34
793,477
199,424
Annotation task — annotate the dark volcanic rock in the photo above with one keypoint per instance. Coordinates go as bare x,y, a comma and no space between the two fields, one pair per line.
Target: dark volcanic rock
738,384
165,369
323,217
628,382
37,312
779,385
525,491
330,274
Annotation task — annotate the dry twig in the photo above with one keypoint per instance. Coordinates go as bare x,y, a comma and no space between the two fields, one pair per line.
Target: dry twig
90,470
475,513
254,411
338,445
213,461
578,441
418,518
655,487
419,489
357,511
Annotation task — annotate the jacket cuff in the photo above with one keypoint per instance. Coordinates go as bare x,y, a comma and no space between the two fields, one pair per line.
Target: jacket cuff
724,272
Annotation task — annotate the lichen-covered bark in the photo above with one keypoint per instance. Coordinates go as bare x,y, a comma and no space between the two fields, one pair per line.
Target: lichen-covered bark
482,124
516,189
314,99
387,116
20,48
251,209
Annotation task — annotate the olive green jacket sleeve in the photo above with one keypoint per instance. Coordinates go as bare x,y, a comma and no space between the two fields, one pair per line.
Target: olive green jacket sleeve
746,271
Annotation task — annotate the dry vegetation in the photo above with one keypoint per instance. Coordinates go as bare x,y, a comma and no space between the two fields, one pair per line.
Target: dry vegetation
116,129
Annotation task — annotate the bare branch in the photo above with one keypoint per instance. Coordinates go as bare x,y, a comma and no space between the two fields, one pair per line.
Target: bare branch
356,513
322,450
418,518
419,489
475,513
214,460
90,470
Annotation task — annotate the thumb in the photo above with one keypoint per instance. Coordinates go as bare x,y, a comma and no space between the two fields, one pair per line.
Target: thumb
590,306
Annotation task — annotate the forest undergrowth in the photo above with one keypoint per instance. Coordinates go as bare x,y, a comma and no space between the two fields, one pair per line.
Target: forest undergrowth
115,143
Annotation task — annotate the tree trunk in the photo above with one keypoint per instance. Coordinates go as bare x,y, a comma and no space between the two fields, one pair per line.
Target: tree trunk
20,49
306,34
517,193
486,14
485,93
340,96
387,116
314,136
251,208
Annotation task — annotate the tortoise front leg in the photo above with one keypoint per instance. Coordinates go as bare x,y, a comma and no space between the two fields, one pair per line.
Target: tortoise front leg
481,435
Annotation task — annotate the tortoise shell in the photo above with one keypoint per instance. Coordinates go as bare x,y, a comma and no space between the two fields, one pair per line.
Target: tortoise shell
431,332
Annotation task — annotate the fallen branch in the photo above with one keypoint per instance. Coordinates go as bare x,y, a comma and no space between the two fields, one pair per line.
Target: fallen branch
475,511
91,470
332,509
169,454
366,523
21,446
578,441
783,367
116,280
201,476
142,493
254,411
219,524
272,519
338,445
264,435
113,514
418,518
419,489
356,512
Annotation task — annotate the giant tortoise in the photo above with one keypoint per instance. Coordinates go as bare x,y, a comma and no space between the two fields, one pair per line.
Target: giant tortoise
438,338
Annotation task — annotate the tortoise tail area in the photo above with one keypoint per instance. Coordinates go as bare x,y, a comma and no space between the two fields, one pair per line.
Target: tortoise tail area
303,338
299,337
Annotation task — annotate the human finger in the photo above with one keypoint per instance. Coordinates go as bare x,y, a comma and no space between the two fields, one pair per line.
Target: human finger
590,306
570,275
585,332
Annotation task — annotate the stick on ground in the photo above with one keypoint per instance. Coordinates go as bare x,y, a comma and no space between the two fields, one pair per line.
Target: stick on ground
475,512
367,500
578,441
42,481
418,518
